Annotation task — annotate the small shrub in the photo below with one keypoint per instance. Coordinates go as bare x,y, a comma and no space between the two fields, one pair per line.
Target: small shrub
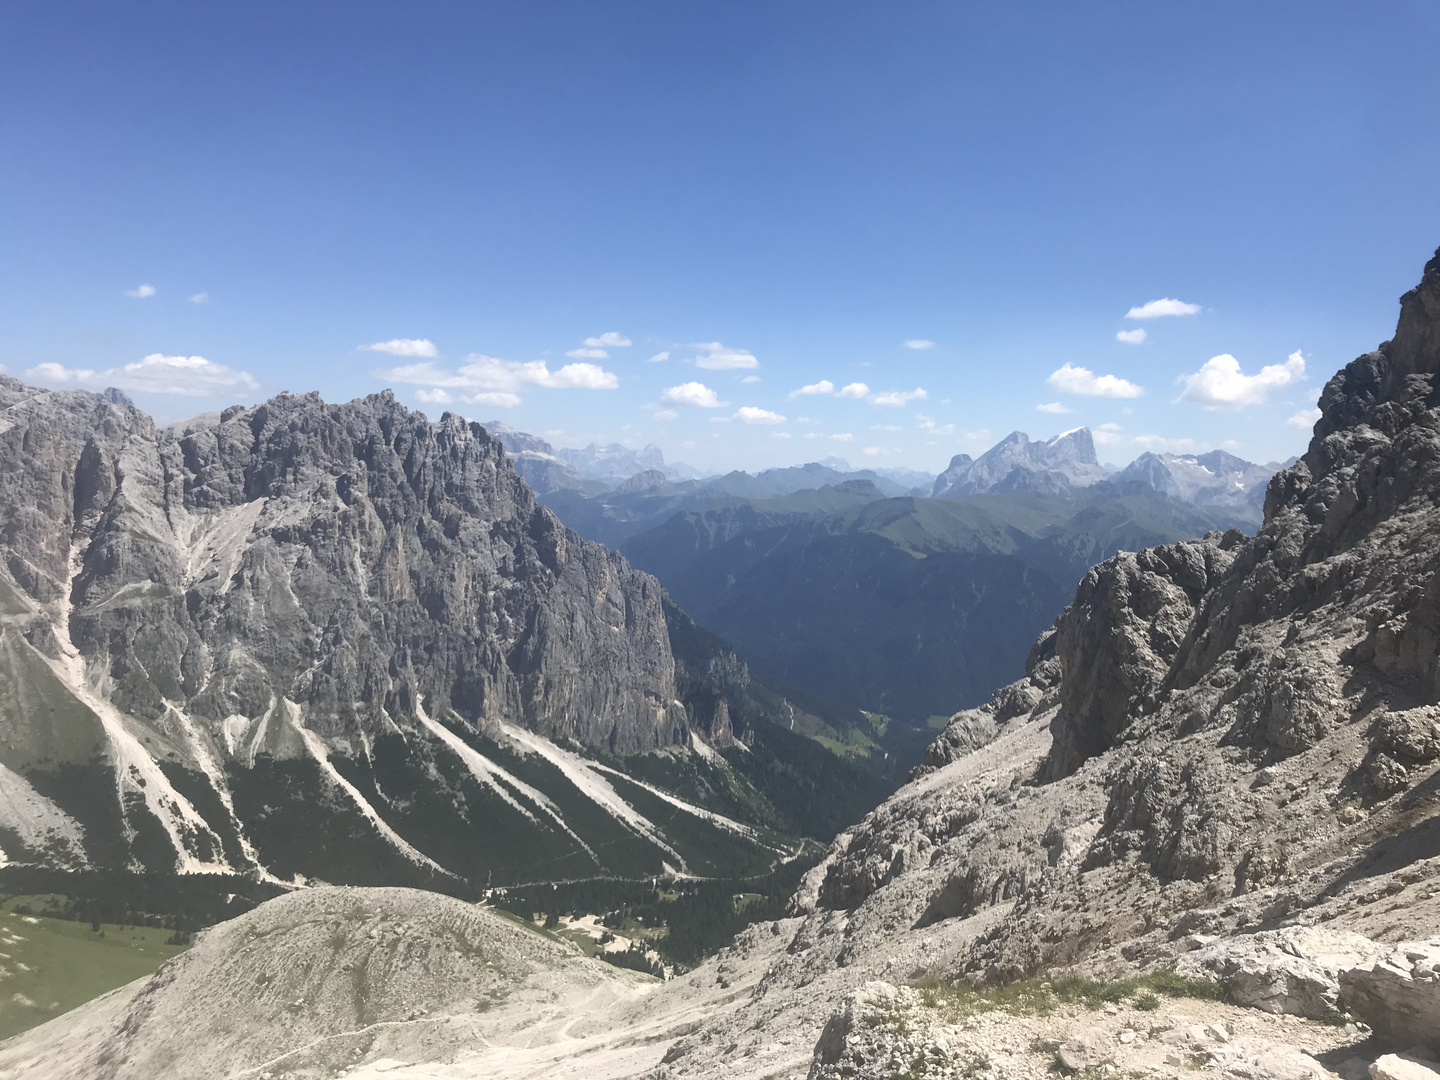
1033,997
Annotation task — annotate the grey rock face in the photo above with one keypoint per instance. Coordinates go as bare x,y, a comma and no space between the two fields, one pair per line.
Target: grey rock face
381,561
239,587
1117,641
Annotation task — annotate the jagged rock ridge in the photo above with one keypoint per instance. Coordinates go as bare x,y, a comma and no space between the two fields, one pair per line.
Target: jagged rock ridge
326,639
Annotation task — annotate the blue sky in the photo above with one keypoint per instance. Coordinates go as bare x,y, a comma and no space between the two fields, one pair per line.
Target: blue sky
784,193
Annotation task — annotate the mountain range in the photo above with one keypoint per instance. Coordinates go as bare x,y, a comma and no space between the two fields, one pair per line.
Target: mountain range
1200,832
844,584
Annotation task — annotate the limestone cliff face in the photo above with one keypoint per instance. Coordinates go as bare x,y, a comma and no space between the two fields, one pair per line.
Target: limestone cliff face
354,559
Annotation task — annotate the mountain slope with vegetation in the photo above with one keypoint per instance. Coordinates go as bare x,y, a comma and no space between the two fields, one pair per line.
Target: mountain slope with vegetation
906,607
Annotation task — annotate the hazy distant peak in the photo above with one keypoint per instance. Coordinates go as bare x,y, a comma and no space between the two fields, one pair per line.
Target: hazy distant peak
1017,463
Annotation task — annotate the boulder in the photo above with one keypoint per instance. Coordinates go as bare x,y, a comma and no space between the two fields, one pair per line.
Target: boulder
1295,970
1403,1067
1398,994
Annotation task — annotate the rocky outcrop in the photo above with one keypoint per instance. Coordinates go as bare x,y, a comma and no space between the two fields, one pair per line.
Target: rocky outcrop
1116,643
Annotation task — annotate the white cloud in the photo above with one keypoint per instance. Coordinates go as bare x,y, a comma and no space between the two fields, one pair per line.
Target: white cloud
749,414
404,347
927,423
895,399
1166,445
1157,309
498,399
1131,337
1305,418
824,386
896,427
779,435
876,451
1055,407
486,373
610,339
665,414
1220,385
658,358
433,397
587,354
692,393
144,292
751,379
856,390
1078,380
200,298
844,436
1106,434
919,343
187,376
716,357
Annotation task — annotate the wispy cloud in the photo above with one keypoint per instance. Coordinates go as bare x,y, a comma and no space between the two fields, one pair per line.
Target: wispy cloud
1070,379
751,379
186,376
1158,309
608,340
780,435
1305,418
200,298
1131,337
664,414
824,386
919,343
1056,407
404,347
658,358
716,357
843,436
1106,434
1219,384
932,426
749,414
1163,444
895,399
587,354
499,399
692,393
141,292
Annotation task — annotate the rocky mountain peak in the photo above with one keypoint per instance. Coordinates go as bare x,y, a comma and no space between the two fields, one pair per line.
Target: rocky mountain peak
1017,463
